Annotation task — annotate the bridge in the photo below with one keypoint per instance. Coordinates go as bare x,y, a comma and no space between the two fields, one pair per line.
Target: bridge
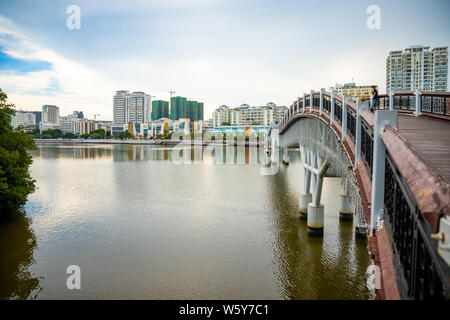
395,168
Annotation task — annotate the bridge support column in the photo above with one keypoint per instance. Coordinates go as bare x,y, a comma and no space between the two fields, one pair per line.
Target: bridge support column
346,208
285,156
383,118
305,196
315,209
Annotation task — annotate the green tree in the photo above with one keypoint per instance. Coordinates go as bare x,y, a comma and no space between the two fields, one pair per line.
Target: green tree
15,180
52,134
125,135
69,135
97,134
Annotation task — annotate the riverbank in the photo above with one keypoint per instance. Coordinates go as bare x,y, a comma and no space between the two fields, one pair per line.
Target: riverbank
167,143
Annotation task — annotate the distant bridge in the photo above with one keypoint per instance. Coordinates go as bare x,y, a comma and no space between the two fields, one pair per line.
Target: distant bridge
395,170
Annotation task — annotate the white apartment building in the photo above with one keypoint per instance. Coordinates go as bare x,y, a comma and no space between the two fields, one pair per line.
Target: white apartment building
417,67
131,107
25,119
247,115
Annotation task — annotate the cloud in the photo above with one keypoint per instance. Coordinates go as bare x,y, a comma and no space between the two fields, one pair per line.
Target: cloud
68,84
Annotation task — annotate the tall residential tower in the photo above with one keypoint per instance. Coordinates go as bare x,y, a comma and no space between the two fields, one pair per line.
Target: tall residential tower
417,67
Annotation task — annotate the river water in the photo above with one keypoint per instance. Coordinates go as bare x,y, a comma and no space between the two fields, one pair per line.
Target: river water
141,225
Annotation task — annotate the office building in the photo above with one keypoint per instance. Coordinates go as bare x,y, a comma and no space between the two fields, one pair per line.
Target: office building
417,67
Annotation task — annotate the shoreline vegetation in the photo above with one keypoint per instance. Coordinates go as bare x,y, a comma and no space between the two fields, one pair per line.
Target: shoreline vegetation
16,182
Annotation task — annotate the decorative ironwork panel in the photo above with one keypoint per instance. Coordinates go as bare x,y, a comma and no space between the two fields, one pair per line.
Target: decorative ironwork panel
338,110
367,144
421,267
351,123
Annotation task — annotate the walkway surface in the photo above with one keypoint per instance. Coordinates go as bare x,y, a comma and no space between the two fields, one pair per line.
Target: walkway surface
430,137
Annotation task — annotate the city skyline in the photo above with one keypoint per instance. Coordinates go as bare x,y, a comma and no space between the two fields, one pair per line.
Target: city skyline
229,53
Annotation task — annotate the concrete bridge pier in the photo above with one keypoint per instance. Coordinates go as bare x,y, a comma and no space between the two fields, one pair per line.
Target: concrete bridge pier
316,210
305,196
346,208
285,156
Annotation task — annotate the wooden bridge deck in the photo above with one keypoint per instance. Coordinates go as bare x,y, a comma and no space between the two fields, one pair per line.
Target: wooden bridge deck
430,137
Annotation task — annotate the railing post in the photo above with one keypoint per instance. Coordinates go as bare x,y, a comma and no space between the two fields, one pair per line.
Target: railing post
391,100
332,107
382,119
359,106
344,117
321,101
311,100
418,103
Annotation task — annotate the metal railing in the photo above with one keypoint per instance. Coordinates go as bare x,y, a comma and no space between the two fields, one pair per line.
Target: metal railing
423,271
434,103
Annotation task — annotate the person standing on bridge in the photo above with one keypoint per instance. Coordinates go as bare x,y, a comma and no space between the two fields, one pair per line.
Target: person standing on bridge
374,99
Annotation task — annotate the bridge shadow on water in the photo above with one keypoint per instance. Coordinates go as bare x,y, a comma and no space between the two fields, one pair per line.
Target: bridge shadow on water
308,266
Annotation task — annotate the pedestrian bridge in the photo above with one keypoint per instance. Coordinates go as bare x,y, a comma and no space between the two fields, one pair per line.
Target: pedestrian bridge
395,170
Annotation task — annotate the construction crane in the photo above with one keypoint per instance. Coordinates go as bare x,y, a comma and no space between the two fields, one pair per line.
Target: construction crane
170,101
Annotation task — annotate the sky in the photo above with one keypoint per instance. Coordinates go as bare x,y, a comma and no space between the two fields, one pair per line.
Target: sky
215,51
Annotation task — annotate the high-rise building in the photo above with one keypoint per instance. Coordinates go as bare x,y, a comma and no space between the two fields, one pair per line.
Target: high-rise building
200,111
417,67
50,118
177,108
38,115
131,107
180,108
50,114
247,115
120,107
160,109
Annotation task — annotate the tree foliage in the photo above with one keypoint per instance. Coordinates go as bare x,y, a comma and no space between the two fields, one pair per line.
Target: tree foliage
15,180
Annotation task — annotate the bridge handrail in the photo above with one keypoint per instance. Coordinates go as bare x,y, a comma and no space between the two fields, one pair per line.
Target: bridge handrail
413,218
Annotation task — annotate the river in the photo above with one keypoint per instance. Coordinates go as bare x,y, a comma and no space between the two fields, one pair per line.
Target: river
142,226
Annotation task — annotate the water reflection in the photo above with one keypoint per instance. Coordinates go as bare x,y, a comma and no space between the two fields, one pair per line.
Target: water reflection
145,227
18,243
218,154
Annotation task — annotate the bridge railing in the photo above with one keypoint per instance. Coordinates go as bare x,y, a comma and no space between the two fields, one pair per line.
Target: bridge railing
424,274
432,103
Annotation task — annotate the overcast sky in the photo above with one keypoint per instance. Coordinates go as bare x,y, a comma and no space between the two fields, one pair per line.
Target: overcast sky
216,51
